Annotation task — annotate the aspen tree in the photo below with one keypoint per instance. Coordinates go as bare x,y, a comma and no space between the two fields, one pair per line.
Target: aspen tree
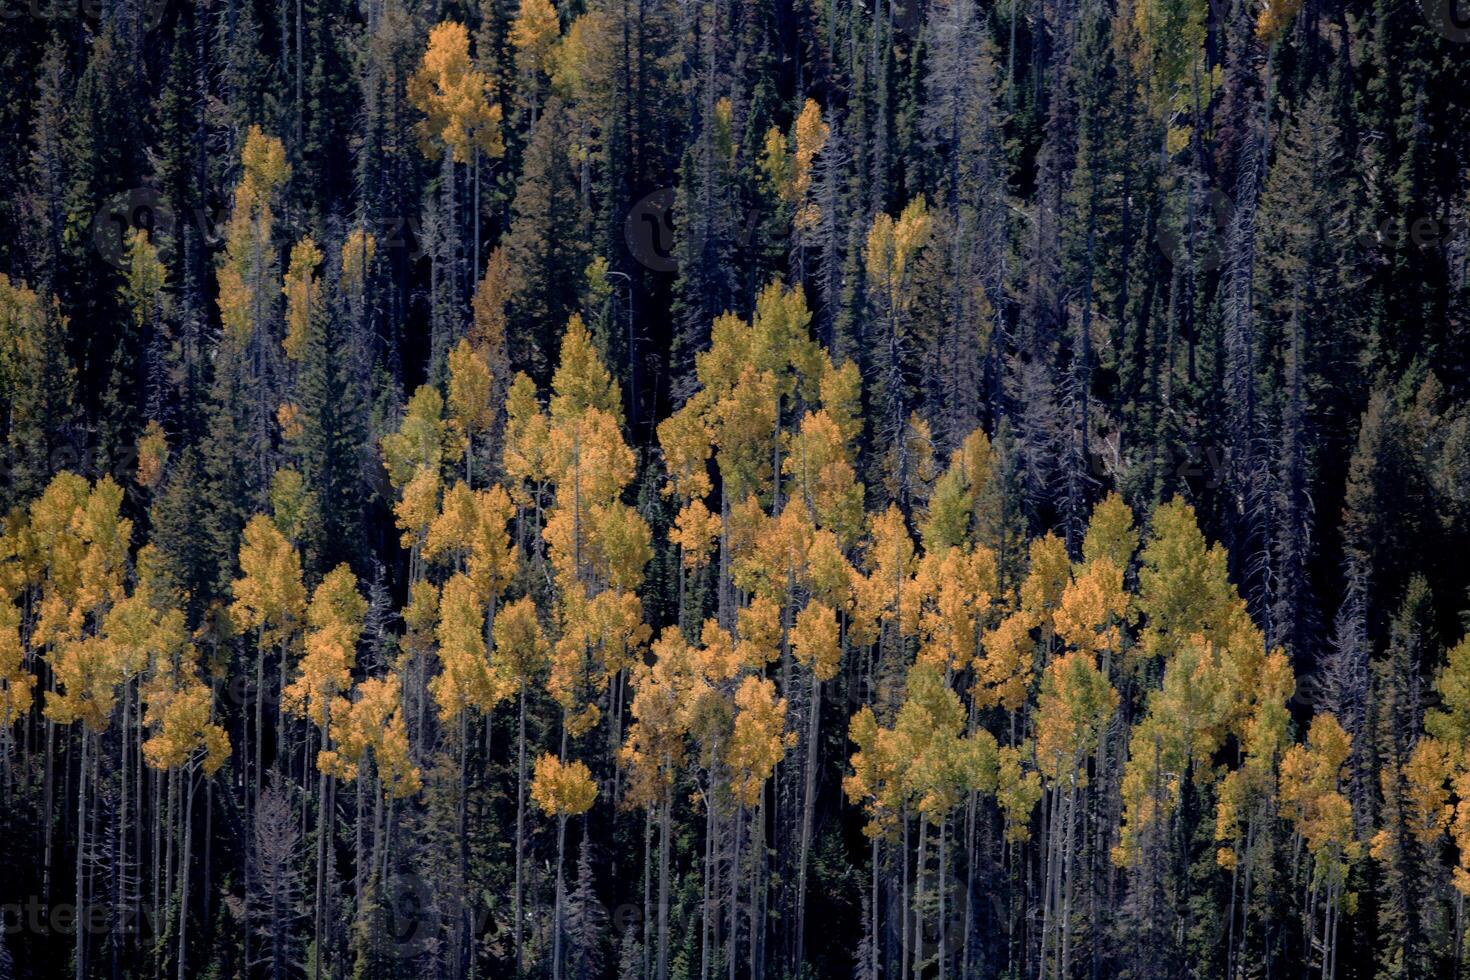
890,253
663,695
423,439
303,292
1310,778
1183,584
1246,793
85,666
248,275
184,739
270,599
561,790
520,654
461,125
471,399
335,619
534,35
1075,705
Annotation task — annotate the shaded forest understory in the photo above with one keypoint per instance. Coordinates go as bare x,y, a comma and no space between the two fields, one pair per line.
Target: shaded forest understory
718,490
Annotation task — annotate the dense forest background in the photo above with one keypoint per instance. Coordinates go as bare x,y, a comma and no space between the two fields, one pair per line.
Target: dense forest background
673,489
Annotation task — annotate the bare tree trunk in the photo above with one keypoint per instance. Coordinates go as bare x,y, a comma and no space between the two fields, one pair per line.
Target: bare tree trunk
184,878
561,840
807,809
520,828
664,830
80,953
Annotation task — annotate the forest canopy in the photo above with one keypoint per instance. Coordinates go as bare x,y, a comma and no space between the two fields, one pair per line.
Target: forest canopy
718,490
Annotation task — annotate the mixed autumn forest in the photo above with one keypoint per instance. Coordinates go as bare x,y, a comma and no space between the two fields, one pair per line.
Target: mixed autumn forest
734,489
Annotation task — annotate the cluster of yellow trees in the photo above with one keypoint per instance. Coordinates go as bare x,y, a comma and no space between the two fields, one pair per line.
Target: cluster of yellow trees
984,672
989,667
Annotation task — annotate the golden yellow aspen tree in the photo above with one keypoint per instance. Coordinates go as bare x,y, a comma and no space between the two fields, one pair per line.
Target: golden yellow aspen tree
878,767
414,514
1187,721
359,249
696,529
534,34
759,740
561,790
453,95
809,134
757,744
16,681
814,640
467,679
250,269
888,598
84,542
1110,533
787,163
471,400
1018,790
840,389
1046,579
334,620
581,380
270,599
183,731
527,456
743,425
152,455
494,557
664,694
1427,775
815,645
685,440
823,479
828,574
1074,709
591,466
600,640
944,766
183,737
488,322
303,292
758,626
370,726
955,591
1310,778
1183,585
1245,797
449,538
423,439
1093,611
1450,722
521,652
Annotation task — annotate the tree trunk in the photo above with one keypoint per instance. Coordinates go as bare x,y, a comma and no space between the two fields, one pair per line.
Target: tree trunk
807,809
561,839
184,878
664,830
520,827
80,952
